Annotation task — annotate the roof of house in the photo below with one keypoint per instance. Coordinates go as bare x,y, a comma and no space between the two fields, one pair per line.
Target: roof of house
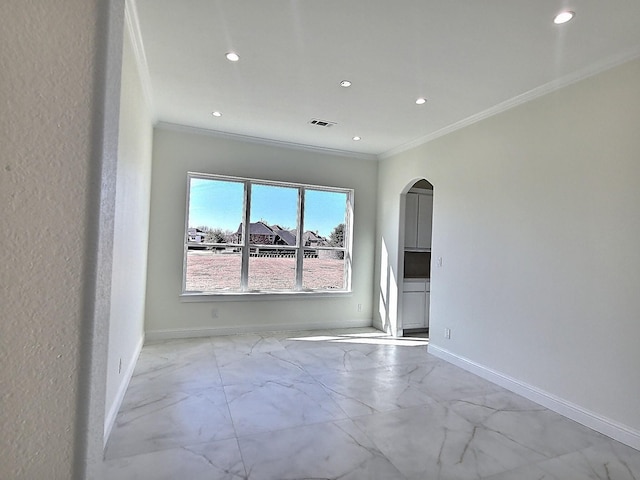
257,228
288,237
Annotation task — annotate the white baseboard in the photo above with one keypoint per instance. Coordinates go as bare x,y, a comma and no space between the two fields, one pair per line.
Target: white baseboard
154,335
599,423
110,418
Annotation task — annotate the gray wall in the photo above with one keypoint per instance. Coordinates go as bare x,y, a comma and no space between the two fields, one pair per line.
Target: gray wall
177,151
537,220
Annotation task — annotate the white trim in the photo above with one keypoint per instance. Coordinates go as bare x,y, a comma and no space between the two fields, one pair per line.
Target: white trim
525,97
604,425
194,297
132,23
263,141
110,418
168,334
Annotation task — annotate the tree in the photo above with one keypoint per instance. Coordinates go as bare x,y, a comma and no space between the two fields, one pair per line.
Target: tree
336,239
213,235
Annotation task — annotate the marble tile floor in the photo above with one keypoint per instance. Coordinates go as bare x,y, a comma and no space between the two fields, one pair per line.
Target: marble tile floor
342,404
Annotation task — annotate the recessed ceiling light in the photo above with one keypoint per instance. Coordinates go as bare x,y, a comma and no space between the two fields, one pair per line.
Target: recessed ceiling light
216,114
345,83
232,57
563,17
356,138
421,101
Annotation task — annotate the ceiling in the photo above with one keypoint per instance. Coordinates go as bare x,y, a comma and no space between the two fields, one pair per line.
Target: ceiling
468,58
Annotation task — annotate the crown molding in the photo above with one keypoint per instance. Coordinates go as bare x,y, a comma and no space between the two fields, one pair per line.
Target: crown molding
263,141
533,94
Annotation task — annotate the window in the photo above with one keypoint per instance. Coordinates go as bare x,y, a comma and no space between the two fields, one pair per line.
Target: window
254,236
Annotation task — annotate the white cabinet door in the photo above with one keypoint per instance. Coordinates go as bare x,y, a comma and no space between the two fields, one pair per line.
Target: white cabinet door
411,221
413,311
425,216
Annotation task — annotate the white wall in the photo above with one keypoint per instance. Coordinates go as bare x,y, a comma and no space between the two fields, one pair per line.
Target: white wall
57,138
126,326
537,219
177,151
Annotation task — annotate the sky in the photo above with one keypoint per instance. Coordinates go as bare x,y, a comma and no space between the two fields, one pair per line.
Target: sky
218,204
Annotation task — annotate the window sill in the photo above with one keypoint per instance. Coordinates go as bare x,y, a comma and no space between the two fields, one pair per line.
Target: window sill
257,296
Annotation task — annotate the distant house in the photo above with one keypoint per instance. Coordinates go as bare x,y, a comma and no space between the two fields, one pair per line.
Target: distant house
259,233
284,237
195,238
262,234
195,235
312,239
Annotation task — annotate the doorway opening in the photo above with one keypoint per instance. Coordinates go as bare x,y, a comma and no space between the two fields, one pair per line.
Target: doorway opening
415,258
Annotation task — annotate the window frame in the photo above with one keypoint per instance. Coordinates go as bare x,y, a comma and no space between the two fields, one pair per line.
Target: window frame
246,246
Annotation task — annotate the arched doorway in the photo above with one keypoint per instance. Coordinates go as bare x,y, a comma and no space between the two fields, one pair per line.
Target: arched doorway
414,262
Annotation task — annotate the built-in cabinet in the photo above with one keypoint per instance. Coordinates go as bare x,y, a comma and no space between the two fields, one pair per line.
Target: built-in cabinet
417,246
418,216
415,301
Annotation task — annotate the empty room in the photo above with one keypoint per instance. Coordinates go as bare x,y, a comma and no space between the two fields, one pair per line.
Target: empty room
338,240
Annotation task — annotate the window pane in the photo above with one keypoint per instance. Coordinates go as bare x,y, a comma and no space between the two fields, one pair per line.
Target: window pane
215,210
274,215
323,270
214,237
272,269
324,218
209,270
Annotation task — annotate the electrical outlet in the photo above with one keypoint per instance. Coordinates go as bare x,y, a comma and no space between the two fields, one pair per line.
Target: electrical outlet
439,262
214,313
359,307
447,333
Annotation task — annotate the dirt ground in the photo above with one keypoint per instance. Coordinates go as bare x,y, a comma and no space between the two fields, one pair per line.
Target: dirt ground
207,271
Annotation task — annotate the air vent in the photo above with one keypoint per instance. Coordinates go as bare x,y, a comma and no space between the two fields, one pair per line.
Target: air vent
322,123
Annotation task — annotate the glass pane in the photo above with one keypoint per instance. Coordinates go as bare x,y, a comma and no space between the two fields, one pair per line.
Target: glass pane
323,270
215,211
324,218
272,269
213,270
274,215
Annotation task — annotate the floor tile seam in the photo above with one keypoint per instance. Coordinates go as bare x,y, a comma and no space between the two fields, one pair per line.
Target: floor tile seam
329,389
276,380
233,423
173,386
292,427
181,446
244,463
377,410
185,394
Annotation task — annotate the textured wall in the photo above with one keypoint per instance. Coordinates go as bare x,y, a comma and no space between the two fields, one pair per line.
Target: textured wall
50,55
